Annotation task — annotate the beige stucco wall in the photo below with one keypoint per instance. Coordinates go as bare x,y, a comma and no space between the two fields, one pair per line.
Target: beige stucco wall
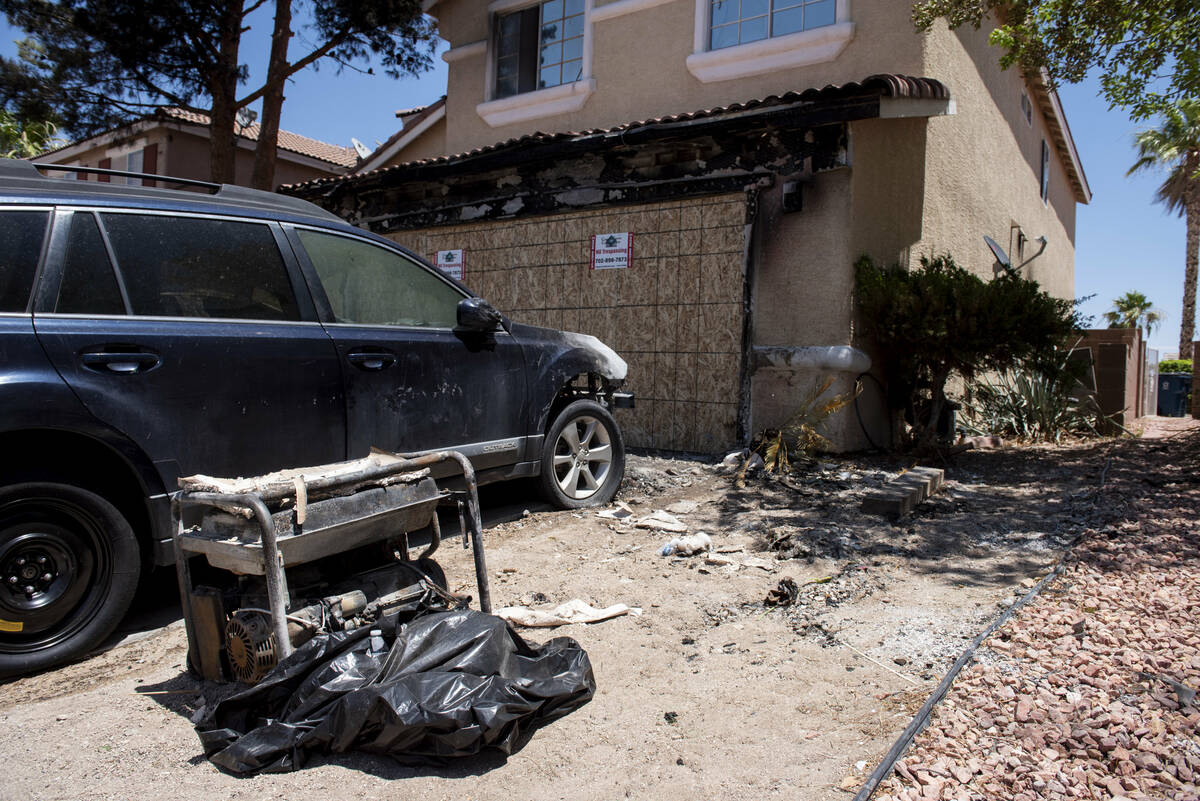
430,144
675,315
803,285
639,63
983,167
887,188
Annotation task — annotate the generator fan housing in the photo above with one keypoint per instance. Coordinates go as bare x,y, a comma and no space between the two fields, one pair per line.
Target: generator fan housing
250,646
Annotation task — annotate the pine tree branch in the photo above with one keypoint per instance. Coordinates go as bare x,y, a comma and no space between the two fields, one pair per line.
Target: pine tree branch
296,66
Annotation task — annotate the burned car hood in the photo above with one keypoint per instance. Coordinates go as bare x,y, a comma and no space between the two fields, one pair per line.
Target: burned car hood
546,346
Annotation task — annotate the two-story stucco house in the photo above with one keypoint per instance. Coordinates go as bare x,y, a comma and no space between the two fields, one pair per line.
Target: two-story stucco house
753,149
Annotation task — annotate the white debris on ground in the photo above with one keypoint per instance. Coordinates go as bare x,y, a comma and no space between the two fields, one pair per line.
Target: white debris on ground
575,611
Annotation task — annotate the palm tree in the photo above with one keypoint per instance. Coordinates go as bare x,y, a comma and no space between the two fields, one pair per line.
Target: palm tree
1134,310
1175,146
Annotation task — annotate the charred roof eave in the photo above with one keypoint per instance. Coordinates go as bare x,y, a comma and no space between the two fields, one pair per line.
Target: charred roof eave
809,108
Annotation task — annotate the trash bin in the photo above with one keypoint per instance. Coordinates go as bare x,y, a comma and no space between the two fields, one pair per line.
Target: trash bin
1173,392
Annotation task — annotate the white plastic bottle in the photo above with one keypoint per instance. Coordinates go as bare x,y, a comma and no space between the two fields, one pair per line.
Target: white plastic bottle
688,544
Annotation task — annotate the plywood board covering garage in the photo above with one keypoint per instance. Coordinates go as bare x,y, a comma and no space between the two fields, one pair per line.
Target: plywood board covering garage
675,314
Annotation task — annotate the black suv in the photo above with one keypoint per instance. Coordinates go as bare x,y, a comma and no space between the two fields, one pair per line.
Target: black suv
149,333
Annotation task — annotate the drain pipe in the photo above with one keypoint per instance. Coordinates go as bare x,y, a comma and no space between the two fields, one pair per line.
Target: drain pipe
839,358
921,719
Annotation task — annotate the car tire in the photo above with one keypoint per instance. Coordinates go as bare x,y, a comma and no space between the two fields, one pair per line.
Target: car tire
69,567
583,457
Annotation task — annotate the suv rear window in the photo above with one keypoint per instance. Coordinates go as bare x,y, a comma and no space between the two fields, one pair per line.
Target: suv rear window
198,267
21,234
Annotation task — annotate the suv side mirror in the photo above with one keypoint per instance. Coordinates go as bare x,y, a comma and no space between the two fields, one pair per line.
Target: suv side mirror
476,314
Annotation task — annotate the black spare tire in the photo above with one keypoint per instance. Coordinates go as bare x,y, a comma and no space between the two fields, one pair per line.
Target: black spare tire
69,566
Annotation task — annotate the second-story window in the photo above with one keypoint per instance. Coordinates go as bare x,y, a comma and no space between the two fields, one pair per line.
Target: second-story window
735,22
1045,172
539,47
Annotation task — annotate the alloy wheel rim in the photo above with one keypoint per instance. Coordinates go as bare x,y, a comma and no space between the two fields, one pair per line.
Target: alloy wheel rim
582,458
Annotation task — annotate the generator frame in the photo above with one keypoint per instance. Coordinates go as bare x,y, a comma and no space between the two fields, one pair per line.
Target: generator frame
264,554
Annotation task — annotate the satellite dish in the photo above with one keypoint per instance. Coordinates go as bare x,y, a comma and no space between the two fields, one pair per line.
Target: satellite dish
1002,260
362,150
246,117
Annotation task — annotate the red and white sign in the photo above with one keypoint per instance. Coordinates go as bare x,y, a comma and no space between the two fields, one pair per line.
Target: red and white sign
452,263
612,251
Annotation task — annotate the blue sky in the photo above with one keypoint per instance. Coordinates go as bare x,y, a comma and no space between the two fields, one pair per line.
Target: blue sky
1123,240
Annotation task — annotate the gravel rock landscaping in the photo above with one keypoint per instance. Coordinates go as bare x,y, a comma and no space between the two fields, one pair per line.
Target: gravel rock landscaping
1088,691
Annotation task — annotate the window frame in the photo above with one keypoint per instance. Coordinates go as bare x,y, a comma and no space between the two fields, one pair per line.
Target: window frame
787,51
530,46
1044,187
536,103
325,309
70,220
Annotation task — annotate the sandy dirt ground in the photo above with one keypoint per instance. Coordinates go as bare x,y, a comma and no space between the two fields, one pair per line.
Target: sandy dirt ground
708,693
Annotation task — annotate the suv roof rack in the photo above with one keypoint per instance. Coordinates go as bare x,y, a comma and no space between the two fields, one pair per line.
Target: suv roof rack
123,174
20,168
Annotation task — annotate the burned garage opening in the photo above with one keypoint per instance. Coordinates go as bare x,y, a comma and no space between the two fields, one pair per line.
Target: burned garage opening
685,242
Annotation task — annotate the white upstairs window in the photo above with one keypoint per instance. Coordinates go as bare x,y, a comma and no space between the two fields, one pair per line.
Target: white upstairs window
740,38
734,22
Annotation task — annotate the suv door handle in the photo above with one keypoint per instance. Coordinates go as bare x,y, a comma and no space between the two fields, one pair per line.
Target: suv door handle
365,360
124,363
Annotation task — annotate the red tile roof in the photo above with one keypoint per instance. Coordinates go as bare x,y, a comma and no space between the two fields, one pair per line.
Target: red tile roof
293,142
877,85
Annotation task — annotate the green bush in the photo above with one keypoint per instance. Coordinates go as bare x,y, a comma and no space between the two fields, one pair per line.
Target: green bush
940,320
1175,366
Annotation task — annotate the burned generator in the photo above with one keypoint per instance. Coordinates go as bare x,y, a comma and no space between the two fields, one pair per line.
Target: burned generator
317,549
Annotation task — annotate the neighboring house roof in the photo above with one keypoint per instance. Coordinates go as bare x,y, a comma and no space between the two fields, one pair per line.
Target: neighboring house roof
337,155
305,146
878,86
415,121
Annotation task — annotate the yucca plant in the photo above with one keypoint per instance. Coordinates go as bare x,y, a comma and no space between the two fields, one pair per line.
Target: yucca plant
1034,403
798,439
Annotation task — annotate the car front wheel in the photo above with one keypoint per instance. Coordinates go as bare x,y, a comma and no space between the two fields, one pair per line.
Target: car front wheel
69,566
583,459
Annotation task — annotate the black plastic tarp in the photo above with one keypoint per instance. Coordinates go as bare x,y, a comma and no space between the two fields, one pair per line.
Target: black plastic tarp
450,684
